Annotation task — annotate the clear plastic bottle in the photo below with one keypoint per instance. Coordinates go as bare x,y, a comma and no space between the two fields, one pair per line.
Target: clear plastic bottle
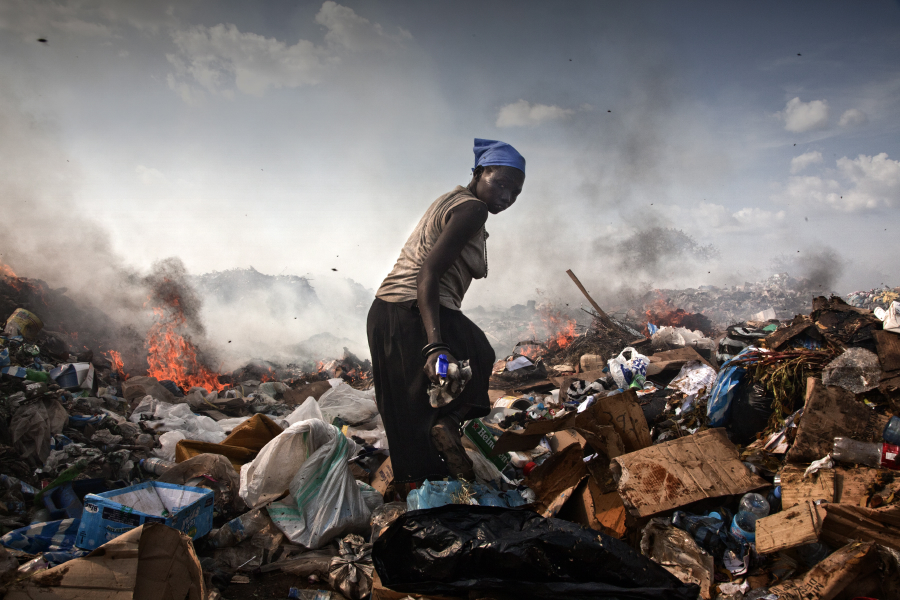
157,466
861,453
743,527
756,504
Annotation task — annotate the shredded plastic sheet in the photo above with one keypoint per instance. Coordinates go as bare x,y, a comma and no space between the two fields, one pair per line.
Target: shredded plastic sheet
694,378
55,539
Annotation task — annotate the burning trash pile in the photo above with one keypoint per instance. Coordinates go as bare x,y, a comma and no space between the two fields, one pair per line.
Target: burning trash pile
652,457
778,297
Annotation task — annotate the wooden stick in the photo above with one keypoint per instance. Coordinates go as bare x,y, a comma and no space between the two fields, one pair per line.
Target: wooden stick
603,316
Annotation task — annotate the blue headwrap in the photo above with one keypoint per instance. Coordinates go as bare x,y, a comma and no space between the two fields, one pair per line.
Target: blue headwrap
492,152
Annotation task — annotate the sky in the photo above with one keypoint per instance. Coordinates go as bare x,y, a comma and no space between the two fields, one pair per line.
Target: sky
308,138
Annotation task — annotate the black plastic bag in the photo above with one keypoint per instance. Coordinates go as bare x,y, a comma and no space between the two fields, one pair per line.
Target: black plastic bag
456,548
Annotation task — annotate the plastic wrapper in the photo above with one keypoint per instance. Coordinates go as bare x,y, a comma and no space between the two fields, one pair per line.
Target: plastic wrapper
453,550
33,425
857,370
210,471
385,515
54,539
353,407
351,570
629,372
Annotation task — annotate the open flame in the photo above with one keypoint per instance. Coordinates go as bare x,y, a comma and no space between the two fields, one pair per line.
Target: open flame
118,364
171,356
14,280
661,312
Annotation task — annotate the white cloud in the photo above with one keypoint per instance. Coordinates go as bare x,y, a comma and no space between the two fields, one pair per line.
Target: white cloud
149,175
222,56
802,116
853,118
868,182
349,30
798,163
525,114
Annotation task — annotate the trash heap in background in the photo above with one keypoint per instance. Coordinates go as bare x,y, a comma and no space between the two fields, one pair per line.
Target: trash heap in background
759,461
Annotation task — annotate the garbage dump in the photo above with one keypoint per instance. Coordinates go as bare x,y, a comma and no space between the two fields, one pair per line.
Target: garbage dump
686,447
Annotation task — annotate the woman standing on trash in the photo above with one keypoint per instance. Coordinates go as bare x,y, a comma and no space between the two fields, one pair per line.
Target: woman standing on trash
416,317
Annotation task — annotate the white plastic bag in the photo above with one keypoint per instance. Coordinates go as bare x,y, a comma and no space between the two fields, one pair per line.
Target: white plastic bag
269,474
354,407
626,371
325,501
308,410
891,316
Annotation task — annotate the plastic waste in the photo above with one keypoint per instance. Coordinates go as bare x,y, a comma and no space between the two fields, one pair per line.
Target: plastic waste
55,539
891,316
353,407
238,529
155,466
383,516
743,526
23,322
711,532
454,549
324,500
308,410
870,454
756,504
629,372
351,570
718,408
891,432
432,494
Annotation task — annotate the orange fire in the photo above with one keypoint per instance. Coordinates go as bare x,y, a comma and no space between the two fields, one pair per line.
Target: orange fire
172,357
661,312
118,364
561,328
13,280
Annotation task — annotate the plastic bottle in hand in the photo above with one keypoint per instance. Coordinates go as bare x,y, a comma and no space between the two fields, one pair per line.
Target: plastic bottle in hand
755,504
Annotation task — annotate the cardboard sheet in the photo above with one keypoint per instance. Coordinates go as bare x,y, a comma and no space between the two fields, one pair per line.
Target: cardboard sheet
801,524
828,578
831,412
797,490
844,523
678,472
554,481
152,562
590,507
383,476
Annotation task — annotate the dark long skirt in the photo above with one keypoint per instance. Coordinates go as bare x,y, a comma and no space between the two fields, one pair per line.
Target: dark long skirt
396,339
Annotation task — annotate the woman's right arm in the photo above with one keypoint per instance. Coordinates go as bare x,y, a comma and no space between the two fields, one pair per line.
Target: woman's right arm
465,221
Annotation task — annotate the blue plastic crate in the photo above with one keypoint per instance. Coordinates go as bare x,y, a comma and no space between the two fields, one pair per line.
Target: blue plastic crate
110,514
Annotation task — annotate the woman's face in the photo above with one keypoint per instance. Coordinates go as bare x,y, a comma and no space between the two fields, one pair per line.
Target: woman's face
498,187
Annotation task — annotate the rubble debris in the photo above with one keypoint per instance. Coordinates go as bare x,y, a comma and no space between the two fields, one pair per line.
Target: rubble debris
294,471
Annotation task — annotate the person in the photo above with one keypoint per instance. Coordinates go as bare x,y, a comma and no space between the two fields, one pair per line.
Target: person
416,317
